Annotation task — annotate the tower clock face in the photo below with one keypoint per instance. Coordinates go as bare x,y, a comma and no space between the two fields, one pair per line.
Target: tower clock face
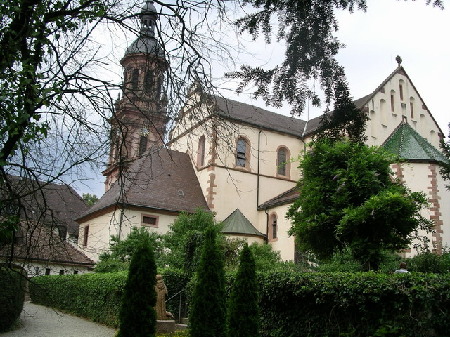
144,131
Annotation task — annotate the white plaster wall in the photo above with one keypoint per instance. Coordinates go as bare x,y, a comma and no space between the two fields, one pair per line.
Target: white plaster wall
417,180
382,124
38,269
102,227
445,210
284,243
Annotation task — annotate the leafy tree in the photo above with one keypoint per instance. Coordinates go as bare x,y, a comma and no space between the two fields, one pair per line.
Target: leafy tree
90,199
137,314
185,239
122,251
445,168
208,309
348,198
243,307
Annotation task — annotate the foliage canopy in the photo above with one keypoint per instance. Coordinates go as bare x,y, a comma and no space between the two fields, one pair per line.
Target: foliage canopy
348,198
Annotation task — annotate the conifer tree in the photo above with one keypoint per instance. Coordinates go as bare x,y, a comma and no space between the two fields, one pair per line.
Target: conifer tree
208,309
137,314
243,317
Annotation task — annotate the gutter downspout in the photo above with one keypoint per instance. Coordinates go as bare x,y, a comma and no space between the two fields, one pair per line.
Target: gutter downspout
257,171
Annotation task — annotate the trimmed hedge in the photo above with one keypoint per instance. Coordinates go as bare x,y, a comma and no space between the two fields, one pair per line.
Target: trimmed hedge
291,304
95,296
356,304
12,296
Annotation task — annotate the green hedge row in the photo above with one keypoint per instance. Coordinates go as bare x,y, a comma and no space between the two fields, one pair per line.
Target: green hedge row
12,295
291,304
96,296
356,304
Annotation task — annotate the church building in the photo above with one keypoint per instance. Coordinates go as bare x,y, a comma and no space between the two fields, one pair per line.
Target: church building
237,160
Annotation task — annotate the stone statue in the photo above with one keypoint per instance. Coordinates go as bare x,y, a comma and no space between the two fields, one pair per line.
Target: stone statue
161,292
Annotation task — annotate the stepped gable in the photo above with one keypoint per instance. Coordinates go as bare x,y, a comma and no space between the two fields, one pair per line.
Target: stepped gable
261,118
161,179
237,223
284,198
361,102
406,143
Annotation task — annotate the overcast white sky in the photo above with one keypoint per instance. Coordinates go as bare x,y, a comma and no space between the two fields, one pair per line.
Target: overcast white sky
416,32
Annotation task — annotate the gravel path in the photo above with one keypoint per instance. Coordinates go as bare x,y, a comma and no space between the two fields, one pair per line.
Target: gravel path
40,321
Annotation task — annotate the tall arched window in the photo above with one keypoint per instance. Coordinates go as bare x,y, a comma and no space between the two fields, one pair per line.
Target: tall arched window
283,161
411,106
242,152
201,152
400,88
143,140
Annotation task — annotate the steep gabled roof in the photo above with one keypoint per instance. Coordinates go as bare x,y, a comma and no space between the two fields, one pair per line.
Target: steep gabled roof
237,223
161,179
39,243
282,199
49,203
361,102
405,142
265,119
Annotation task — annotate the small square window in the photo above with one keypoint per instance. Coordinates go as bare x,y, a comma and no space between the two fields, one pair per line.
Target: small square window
47,271
61,272
148,220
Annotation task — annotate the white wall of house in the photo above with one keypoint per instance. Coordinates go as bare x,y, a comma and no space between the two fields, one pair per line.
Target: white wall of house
101,228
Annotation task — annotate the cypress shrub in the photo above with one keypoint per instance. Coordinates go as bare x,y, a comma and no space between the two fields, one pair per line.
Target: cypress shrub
243,309
12,296
208,308
137,313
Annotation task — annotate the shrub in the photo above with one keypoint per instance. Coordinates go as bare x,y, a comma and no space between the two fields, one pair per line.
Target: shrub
243,318
354,304
12,296
137,313
428,262
208,310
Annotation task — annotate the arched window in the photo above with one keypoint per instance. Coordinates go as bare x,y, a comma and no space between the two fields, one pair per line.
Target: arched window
392,100
143,140
411,106
400,89
135,79
273,227
201,152
148,82
242,152
283,161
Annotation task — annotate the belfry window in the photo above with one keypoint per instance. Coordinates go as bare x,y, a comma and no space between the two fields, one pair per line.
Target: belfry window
201,152
135,79
148,82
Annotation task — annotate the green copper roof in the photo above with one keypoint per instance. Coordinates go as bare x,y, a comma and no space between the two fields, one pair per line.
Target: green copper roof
237,223
409,145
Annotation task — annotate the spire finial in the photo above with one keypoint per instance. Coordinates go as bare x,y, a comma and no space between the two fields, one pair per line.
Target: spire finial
399,60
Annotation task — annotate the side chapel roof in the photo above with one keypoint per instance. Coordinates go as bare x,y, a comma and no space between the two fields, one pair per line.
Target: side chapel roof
161,179
405,142
237,223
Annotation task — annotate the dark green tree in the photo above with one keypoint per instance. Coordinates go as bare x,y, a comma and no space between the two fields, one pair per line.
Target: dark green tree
89,199
208,306
243,316
348,198
137,313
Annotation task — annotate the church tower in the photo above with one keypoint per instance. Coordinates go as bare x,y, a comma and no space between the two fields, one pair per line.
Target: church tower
140,117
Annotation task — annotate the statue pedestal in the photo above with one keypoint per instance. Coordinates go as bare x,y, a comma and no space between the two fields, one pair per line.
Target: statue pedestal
165,326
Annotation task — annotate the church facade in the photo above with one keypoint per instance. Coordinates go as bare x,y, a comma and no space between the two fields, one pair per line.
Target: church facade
237,160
